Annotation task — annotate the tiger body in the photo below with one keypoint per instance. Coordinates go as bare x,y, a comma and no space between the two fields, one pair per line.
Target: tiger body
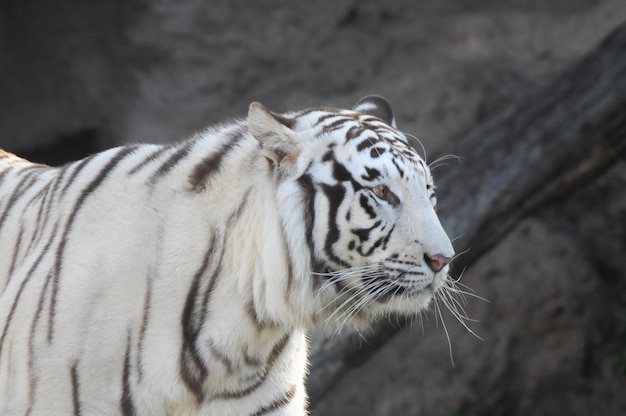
181,279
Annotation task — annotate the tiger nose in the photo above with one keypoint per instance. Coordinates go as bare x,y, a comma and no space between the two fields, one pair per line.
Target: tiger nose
436,262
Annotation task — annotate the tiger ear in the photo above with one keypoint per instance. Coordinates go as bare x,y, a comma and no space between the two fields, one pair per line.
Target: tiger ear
278,140
376,106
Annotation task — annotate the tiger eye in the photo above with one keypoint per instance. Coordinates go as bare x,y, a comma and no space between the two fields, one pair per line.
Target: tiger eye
381,191
384,193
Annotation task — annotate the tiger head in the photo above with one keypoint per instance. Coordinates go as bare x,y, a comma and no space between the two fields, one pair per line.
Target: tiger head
359,201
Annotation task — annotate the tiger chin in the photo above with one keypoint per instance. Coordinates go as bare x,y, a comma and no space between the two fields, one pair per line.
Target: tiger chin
182,279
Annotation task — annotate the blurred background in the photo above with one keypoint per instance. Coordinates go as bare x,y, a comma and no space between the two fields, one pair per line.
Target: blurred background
77,77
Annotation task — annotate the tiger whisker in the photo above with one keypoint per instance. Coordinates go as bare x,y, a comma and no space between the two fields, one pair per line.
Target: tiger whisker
452,240
462,318
380,291
437,162
465,286
411,136
367,274
445,329
433,166
334,280
346,289
360,305
455,285
341,271
458,279
351,311
462,253
454,294
455,306
361,289
344,274
465,293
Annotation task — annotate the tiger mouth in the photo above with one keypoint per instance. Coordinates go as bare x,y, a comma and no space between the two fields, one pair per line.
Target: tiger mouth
387,283
384,290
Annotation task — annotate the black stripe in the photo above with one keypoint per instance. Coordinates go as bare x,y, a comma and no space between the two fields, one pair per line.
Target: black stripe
335,195
405,271
376,152
126,402
24,183
308,111
251,310
19,292
144,325
354,132
388,237
267,368
37,230
251,361
38,195
372,174
192,368
45,206
221,357
171,162
289,261
78,167
31,350
284,120
328,156
75,392
398,167
326,116
373,247
364,233
89,189
209,290
201,313
278,403
31,346
150,158
240,209
16,251
43,189
342,174
12,311
201,172
308,190
365,204
367,143
6,170
337,124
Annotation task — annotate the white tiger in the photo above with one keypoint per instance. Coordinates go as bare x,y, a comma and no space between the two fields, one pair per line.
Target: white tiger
181,280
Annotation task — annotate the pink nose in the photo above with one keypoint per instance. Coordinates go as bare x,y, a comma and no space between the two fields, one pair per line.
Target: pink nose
436,262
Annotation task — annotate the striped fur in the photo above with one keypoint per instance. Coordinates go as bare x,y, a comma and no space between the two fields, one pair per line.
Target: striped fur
181,280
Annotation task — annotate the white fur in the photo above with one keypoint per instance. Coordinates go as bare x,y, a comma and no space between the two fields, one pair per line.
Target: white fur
134,248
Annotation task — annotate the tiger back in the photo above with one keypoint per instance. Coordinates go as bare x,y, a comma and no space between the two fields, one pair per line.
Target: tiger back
182,279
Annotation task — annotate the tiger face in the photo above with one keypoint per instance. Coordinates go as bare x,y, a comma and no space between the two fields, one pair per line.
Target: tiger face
368,208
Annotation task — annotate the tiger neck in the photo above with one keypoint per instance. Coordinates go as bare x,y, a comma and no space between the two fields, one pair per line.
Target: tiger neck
259,235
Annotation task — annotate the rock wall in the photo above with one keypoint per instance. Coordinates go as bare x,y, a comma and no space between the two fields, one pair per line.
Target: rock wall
76,77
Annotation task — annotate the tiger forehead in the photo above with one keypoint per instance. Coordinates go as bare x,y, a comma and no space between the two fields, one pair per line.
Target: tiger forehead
368,134
330,119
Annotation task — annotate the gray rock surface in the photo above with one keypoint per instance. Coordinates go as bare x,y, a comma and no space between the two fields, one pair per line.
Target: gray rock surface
79,76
